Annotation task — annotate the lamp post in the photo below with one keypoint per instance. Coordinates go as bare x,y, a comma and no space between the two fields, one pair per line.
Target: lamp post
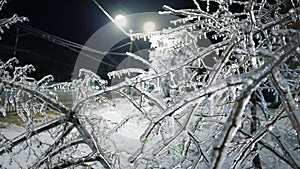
121,23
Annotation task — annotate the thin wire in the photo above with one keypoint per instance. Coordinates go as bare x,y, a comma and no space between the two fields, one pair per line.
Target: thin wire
70,45
65,43
58,40
118,47
16,43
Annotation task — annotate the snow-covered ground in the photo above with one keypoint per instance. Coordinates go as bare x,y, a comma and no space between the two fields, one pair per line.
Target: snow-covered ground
125,139
128,135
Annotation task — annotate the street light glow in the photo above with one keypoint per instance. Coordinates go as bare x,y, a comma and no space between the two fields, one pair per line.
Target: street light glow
149,26
121,20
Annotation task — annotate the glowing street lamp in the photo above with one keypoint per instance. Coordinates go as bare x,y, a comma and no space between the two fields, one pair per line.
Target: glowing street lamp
149,26
121,21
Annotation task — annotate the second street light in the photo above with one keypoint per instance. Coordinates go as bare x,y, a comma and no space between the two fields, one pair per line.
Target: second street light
149,26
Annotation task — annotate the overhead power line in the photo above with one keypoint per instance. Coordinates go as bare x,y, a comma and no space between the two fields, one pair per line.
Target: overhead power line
76,47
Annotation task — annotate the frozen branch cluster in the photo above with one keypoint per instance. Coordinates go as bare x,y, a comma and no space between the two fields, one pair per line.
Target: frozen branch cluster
6,22
188,113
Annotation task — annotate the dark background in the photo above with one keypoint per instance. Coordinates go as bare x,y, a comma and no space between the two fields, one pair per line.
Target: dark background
74,20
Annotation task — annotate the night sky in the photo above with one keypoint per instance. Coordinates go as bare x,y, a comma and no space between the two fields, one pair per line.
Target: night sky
74,20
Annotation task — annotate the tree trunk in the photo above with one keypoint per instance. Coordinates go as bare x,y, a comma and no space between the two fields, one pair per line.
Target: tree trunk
256,161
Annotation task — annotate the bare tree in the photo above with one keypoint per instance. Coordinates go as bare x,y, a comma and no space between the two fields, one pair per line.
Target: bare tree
198,115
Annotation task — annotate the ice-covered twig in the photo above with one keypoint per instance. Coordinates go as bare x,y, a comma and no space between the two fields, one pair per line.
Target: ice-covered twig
292,107
23,137
184,103
49,152
92,143
161,105
233,121
255,138
184,127
286,152
51,102
127,71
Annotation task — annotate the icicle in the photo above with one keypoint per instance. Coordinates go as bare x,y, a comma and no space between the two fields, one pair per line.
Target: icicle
217,52
284,40
3,110
207,5
127,71
274,40
257,36
294,15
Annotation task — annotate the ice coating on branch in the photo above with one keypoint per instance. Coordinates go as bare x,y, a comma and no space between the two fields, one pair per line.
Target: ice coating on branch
89,75
129,71
6,22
